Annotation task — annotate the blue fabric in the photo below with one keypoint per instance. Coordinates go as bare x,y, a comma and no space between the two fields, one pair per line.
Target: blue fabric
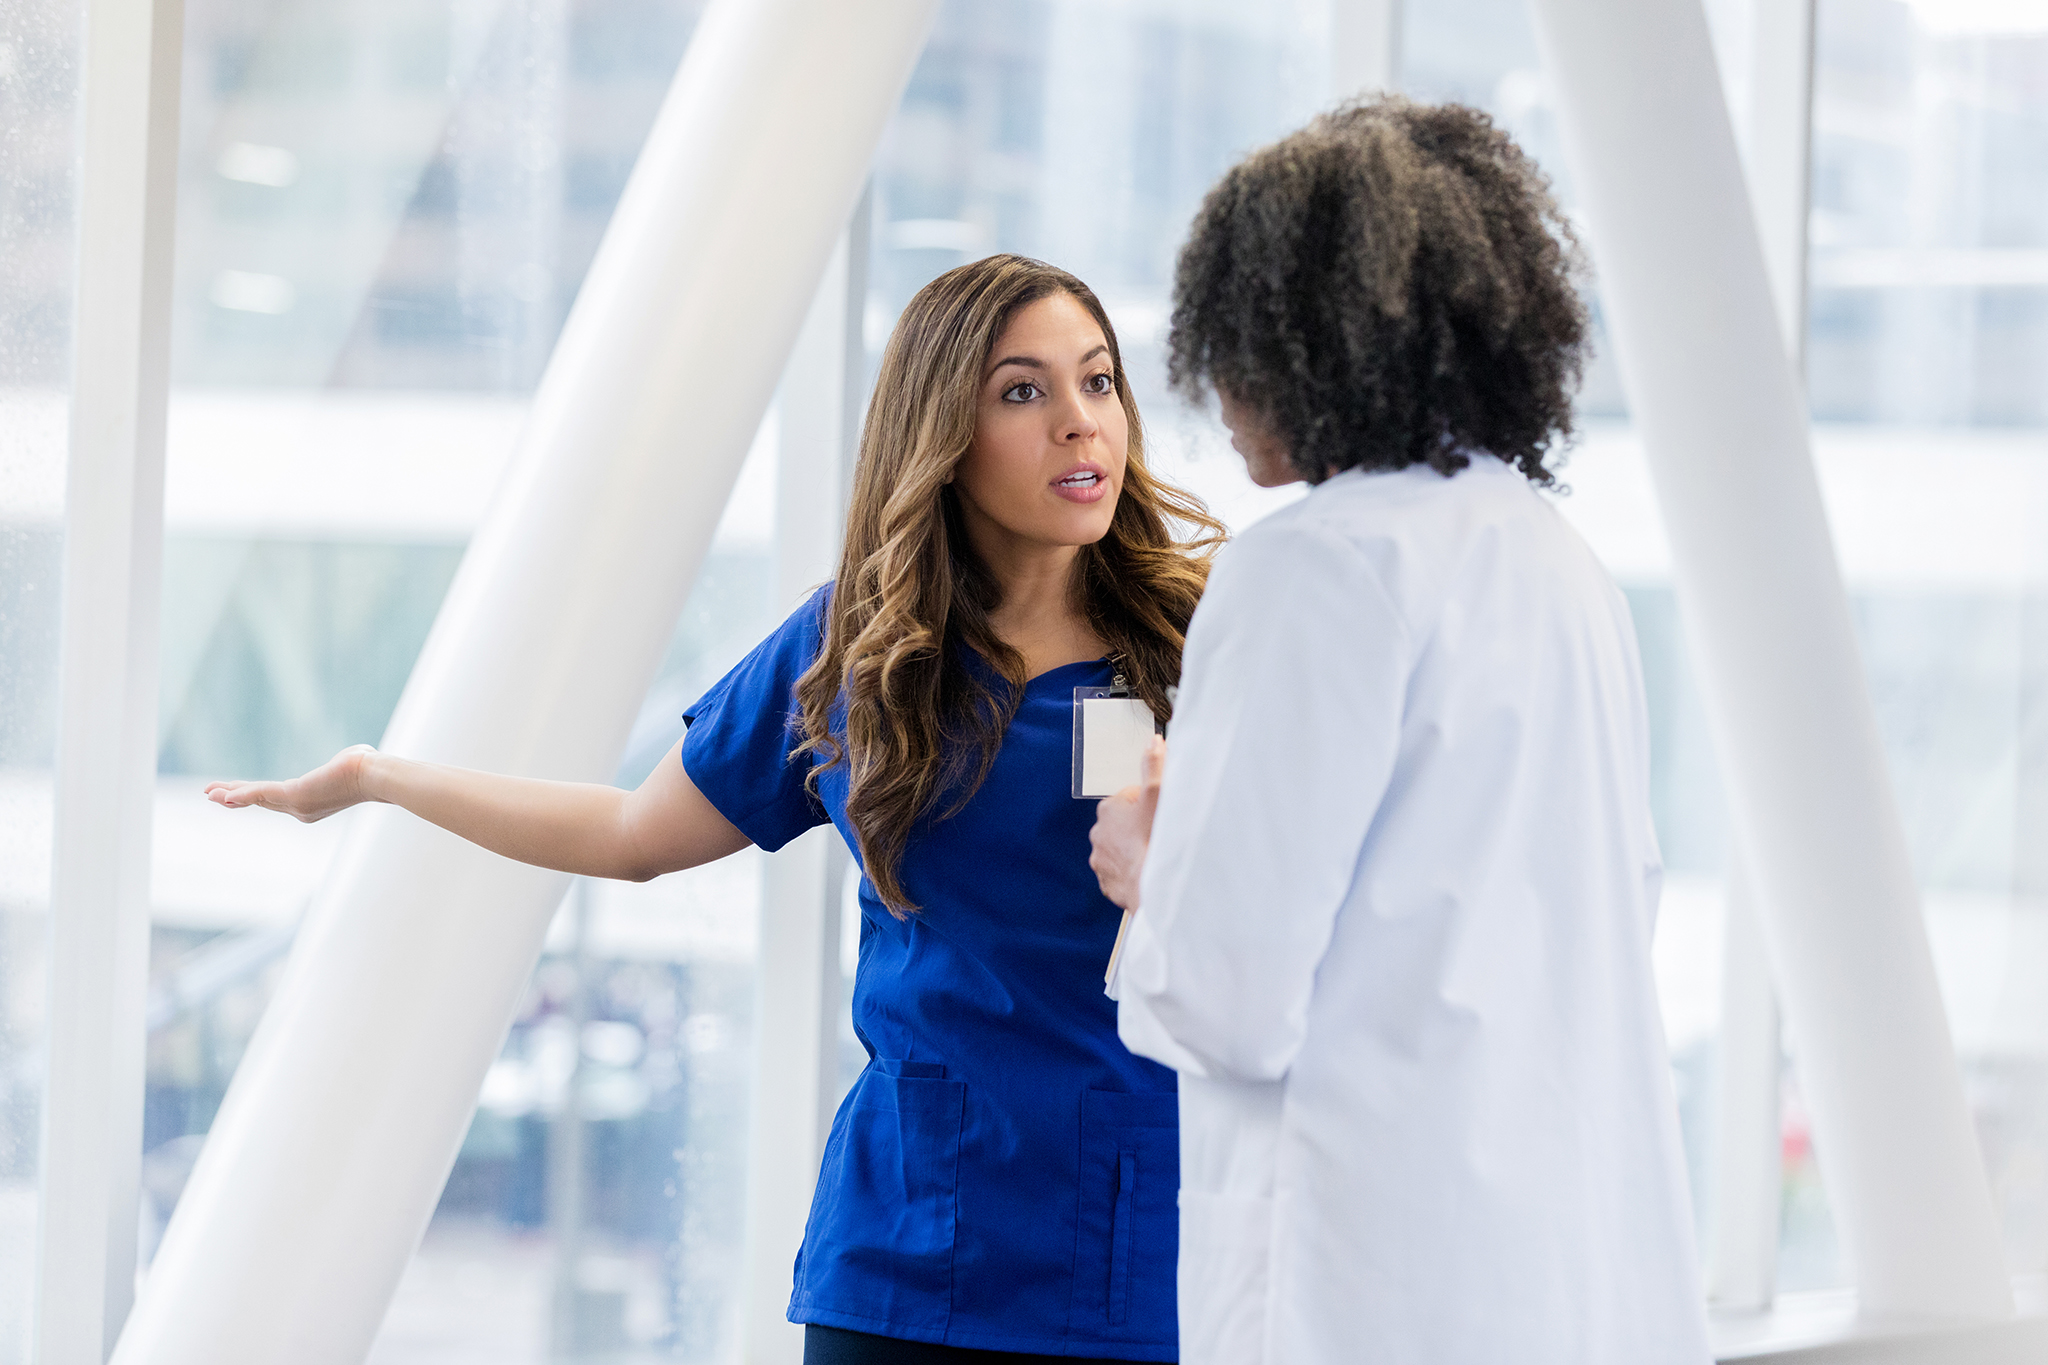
1003,1174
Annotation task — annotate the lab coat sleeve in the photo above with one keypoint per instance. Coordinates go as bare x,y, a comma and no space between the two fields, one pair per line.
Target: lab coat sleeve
1284,741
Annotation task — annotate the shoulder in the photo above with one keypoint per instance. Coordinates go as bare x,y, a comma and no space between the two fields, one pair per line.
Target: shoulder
1419,505
1292,542
1384,531
1419,531
1297,568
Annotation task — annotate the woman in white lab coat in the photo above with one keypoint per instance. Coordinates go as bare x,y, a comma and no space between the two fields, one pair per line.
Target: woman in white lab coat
1394,925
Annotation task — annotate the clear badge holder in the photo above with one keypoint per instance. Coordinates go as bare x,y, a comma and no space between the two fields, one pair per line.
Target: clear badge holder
1111,731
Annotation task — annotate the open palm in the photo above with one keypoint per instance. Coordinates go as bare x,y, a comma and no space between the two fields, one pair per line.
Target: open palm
334,785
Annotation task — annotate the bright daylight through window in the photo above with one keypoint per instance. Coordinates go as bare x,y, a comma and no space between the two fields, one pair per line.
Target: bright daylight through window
385,211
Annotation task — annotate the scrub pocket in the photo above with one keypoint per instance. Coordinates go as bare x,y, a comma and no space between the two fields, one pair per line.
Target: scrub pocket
1223,1276
880,1241
1129,1227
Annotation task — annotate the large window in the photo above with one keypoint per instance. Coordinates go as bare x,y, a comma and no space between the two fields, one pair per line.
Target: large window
385,211
1928,369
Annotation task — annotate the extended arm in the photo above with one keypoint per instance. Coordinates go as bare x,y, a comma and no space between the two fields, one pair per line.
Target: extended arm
581,827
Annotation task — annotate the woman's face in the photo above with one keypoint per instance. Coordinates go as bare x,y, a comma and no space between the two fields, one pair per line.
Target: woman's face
1050,435
1252,436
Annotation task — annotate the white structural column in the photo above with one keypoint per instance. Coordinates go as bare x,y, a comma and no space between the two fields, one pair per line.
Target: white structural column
1688,303
800,995
797,1005
1749,1179
106,744
1365,46
1749,1175
338,1132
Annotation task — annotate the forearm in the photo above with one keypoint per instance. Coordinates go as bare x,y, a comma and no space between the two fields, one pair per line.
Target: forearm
578,827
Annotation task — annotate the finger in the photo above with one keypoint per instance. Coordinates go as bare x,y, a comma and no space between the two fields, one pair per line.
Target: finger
243,794
1153,763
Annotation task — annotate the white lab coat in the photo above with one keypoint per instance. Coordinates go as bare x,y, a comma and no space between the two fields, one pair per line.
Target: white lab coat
1395,936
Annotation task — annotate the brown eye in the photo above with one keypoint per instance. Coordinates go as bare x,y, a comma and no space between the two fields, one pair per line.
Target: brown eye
1020,393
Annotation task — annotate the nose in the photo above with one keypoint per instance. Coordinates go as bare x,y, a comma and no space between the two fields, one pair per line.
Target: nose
1075,423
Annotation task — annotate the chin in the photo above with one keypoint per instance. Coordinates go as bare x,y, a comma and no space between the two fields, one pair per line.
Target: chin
1097,526
1273,473
1078,536
1081,525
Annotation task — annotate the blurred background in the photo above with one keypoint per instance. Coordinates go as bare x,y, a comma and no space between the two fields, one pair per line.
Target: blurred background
385,210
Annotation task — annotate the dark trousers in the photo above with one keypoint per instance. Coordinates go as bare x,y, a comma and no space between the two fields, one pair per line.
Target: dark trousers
836,1346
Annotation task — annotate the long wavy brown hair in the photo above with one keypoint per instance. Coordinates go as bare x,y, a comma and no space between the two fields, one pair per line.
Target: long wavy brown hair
912,688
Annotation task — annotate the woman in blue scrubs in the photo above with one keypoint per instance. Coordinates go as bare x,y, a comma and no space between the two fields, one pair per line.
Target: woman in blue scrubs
1000,1182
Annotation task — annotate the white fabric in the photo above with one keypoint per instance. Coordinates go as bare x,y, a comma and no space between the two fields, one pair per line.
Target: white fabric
1394,932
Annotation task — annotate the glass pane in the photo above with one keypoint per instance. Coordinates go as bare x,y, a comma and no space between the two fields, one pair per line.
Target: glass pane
385,213
1929,341
38,116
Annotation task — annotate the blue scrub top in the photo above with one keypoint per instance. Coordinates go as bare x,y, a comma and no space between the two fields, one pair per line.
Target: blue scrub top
1003,1174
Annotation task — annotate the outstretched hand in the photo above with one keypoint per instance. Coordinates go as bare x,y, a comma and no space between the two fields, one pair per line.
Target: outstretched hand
335,785
1123,830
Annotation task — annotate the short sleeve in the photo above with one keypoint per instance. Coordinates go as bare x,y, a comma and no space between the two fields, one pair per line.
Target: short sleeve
737,747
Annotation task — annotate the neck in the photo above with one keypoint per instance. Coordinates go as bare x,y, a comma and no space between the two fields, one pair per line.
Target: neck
1037,582
1037,616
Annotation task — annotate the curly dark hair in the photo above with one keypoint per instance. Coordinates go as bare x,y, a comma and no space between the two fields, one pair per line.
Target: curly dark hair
1392,285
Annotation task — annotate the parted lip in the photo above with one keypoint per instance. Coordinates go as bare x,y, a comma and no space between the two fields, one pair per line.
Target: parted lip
1086,467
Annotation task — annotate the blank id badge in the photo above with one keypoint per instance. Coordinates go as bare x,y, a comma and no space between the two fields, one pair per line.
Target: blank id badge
1111,730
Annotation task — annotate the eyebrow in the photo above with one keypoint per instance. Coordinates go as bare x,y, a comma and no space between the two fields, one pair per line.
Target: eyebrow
1033,363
